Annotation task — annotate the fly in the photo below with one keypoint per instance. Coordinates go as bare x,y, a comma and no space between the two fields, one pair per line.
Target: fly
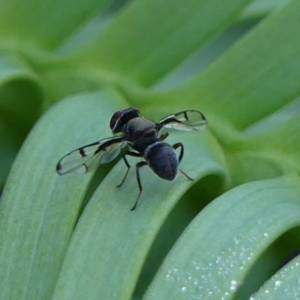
142,138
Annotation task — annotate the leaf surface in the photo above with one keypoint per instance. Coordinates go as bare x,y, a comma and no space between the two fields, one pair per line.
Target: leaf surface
218,249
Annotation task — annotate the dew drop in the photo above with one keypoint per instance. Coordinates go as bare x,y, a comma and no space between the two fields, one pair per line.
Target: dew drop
233,285
278,283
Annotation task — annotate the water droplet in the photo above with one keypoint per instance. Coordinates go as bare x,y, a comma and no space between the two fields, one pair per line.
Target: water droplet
233,285
278,283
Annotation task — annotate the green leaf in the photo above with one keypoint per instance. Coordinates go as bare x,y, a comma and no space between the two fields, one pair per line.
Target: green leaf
7,155
43,23
274,152
283,285
20,98
259,8
248,92
108,233
215,253
39,209
250,81
161,29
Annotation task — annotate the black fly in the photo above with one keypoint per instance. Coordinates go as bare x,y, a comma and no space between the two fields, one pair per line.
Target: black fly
143,138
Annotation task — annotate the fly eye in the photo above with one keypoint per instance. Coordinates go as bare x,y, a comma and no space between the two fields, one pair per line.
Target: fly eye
120,118
115,120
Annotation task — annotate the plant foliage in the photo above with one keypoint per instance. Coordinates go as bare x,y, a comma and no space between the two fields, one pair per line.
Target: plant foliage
233,233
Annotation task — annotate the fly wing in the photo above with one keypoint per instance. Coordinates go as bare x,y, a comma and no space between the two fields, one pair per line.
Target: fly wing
89,157
184,120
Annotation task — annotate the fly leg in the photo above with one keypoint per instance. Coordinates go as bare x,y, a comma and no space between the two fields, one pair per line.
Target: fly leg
138,165
130,153
180,145
163,137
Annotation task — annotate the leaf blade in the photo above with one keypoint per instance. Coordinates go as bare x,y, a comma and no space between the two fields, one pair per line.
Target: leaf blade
25,25
108,212
199,260
35,222
143,59
249,76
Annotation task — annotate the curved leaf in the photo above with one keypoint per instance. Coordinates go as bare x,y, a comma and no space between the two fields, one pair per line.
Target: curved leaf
274,152
20,98
257,79
283,285
259,8
251,80
38,209
161,29
214,254
7,156
109,234
44,23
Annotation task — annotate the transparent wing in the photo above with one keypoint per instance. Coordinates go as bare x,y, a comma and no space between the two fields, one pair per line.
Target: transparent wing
184,120
89,157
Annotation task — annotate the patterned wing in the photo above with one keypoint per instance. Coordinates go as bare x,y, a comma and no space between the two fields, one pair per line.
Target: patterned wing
184,120
89,157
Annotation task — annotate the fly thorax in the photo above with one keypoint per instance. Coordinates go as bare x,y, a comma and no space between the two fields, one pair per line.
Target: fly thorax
141,133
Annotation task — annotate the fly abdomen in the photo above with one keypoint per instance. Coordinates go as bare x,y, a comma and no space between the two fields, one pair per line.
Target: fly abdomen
162,159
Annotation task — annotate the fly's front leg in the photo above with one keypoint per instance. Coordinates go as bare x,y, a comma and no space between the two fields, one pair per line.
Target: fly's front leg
163,137
138,165
180,145
130,153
